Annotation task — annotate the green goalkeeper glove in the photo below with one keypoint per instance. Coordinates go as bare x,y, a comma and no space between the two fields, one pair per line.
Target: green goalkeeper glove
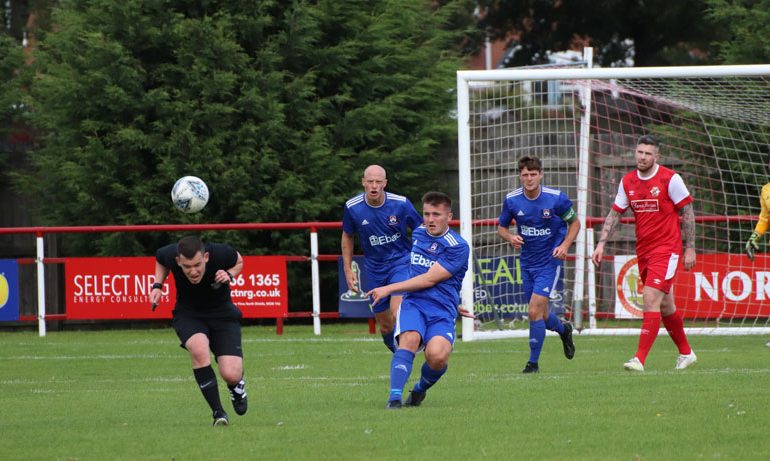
752,245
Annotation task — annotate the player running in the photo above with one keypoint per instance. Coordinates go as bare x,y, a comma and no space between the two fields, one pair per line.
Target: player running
427,316
381,220
547,226
656,195
205,317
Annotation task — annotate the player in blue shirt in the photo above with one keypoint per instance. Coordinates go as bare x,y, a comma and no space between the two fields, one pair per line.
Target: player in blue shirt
381,220
428,311
547,226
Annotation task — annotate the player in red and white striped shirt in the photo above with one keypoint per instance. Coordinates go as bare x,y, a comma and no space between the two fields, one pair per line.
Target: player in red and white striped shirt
656,195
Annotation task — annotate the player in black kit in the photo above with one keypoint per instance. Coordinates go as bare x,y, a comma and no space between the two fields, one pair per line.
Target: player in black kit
204,316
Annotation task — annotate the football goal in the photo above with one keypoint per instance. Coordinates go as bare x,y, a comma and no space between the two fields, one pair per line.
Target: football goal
583,123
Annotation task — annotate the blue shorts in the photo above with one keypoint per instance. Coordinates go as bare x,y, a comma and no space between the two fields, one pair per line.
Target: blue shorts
427,323
541,281
392,274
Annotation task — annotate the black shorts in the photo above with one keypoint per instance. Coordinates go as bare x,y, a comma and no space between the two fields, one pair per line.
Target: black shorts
223,328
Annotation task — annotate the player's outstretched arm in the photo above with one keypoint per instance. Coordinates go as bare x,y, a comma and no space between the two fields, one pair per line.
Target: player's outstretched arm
435,274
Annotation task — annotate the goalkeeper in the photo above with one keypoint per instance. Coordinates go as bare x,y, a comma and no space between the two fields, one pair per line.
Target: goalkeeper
759,230
764,216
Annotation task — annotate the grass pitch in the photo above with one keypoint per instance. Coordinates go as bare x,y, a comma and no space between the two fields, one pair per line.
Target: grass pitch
131,395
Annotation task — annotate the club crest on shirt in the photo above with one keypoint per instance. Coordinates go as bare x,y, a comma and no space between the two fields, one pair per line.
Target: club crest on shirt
433,247
392,220
655,191
546,213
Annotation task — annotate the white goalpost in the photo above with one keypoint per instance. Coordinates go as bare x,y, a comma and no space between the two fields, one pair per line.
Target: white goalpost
583,123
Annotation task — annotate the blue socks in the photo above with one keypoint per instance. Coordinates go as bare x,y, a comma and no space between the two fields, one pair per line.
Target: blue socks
428,377
537,334
536,338
390,340
400,369
553,323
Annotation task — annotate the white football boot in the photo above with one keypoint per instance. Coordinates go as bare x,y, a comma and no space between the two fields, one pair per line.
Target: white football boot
684,361
634,365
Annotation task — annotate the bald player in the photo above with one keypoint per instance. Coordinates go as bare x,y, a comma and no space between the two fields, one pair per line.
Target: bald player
381,220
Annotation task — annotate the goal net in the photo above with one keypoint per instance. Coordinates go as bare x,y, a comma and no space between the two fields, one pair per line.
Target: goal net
583,123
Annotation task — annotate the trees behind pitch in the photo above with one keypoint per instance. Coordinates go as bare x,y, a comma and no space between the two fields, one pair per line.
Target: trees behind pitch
263,99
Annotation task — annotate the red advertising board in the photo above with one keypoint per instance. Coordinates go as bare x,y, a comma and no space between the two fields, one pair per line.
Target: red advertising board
119,288
720,285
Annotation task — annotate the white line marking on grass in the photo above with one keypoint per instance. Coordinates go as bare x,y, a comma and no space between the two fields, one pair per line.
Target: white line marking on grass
275,377
165,379
88,357
25,382
290,367
517,376
310,340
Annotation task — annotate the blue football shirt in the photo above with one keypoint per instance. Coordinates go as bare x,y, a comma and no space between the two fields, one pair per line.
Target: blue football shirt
382,230
539,222
451,251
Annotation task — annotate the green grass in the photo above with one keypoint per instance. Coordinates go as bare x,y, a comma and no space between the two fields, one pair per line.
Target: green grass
131,395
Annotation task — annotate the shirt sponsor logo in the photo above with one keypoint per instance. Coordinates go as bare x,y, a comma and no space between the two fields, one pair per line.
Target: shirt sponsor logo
645,206
420,260
375,240
533,231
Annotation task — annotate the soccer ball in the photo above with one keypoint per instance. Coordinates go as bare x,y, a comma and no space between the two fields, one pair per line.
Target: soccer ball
190,194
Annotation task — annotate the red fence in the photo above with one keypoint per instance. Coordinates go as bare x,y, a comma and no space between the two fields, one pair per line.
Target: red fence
41,260
313,257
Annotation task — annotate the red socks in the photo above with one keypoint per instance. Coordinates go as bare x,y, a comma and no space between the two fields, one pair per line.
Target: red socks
675,328
650,327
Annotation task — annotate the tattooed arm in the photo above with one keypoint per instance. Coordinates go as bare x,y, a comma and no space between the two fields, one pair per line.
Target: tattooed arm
610,226
688,229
